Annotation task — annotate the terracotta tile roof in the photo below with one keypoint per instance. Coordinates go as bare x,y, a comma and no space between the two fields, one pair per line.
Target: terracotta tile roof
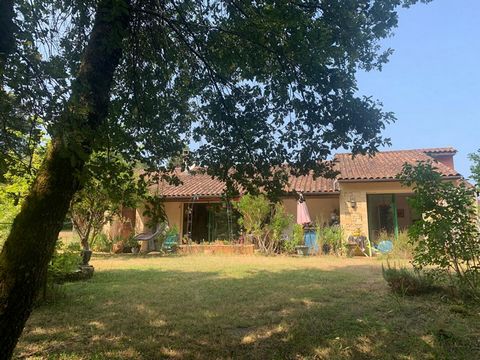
307,185
439,150
387,164
199,184
203,185
384,165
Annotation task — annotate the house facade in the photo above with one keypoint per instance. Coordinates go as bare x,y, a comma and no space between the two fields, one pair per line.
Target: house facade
365,197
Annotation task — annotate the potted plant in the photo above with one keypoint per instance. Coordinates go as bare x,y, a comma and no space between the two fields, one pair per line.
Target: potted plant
118,245
133,245
326,248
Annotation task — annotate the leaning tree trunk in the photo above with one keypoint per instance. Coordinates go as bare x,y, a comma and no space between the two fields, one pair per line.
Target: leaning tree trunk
7,27
29,247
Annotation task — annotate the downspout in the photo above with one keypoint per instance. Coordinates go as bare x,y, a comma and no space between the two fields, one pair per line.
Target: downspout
395,216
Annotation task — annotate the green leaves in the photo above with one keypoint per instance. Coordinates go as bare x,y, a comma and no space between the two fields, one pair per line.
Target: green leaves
15,182
154,211
255,211
250,86
263,221
475,167
108,185
447,235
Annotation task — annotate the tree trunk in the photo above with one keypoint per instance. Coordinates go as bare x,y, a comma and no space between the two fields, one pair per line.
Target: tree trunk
29,247
7,29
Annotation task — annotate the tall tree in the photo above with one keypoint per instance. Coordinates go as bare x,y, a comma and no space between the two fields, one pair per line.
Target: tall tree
110,185
475,167
29,247
256,85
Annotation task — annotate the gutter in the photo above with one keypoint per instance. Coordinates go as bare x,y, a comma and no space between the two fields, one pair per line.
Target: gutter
361,180
219,197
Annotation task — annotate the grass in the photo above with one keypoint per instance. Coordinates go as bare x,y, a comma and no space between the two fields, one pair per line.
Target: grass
213,307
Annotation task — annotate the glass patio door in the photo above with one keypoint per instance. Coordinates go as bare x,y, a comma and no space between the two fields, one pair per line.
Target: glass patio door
382,216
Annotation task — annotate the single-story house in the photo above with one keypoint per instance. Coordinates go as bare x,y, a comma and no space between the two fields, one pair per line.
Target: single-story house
365,197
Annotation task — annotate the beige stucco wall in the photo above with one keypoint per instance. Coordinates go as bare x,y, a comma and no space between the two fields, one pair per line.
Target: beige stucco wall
354,218
174,215
140,221
174,212
319,208
290,206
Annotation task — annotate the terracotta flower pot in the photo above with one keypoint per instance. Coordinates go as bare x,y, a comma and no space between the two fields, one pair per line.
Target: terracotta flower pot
302,250
117,248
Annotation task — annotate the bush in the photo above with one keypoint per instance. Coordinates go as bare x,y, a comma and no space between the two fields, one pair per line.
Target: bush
280,221
65,263
447,236
264,222
403,281
173,231
65,260
4,231
8,213
102,243
331,238
294,240
130,242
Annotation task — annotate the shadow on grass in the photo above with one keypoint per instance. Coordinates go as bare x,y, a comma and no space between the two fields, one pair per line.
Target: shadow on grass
290,314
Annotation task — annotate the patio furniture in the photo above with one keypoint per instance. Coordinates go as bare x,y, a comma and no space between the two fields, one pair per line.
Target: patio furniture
357,245
150,238
385,246
170,243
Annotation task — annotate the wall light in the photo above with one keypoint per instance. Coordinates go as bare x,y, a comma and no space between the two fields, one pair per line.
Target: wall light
353,202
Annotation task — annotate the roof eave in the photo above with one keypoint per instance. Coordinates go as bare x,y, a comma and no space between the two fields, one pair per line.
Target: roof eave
361,180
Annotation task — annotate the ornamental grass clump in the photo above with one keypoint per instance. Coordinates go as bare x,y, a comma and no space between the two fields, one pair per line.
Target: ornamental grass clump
403,281
403,248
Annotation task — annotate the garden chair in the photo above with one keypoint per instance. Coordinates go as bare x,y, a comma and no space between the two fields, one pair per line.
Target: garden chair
170,243
385,246
357,245
149,237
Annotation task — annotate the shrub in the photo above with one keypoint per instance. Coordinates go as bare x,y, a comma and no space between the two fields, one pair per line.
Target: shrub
8,213
4,231
65,260
264,222
298,234
102,243
447,236
319,236
332,236
254,212
294,240
130,243
279,223
173,231
403,281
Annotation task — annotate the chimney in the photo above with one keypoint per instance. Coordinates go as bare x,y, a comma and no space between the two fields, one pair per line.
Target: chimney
444,156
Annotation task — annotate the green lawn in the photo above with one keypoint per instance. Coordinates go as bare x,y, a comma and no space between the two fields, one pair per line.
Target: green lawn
212,307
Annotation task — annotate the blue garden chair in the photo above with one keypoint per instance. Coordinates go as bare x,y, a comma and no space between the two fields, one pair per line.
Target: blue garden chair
170,243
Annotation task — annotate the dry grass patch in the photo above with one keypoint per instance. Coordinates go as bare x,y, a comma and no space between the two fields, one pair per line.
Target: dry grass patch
230,307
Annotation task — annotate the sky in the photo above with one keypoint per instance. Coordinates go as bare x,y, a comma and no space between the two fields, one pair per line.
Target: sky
432,81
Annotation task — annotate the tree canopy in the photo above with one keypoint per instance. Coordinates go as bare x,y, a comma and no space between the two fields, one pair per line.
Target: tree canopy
253,86
475,167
